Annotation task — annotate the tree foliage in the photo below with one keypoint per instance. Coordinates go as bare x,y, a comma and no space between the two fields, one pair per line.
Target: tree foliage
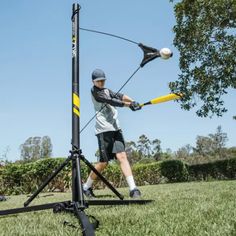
156,149
4,156
46,147
35,148
144,146
204,146
205,36
144,150
132,153
184,152
213,144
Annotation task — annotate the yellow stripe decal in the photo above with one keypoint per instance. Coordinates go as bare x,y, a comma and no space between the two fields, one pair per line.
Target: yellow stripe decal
76,111
76,100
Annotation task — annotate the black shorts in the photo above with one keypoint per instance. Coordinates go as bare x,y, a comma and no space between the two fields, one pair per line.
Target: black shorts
110,143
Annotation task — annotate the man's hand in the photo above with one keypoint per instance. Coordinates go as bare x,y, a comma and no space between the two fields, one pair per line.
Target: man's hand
134,106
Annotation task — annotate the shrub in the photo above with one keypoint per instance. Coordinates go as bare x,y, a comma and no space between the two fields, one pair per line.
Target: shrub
26,178
174,170
222,169
147,173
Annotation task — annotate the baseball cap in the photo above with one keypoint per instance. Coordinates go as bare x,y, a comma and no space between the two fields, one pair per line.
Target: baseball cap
98,75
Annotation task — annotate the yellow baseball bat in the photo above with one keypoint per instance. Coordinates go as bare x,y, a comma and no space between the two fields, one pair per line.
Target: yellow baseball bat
165,98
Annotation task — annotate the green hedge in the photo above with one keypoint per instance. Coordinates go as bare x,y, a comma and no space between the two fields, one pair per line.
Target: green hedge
26,178
220,170
174,171
147,173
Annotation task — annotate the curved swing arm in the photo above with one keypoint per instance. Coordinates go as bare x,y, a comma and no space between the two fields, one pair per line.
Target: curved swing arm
149,53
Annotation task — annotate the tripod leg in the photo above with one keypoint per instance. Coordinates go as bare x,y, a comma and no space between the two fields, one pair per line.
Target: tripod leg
45,183
120,196
87,227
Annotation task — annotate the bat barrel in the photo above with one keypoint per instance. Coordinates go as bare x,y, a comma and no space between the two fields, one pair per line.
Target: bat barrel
165,98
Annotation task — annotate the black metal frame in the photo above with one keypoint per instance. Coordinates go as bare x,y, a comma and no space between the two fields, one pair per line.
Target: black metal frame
78,204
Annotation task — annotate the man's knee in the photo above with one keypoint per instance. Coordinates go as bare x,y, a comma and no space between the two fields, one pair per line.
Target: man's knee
121,156
101,165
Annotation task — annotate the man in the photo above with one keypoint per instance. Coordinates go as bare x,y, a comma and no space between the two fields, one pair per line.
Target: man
110,139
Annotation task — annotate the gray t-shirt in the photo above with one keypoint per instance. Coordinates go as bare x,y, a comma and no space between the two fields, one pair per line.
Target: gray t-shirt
105,101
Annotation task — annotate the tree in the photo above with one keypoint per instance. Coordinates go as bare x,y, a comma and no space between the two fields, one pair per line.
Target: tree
213,145
144,146
219,140
132,153
27,149
184,152
46,147
130,146
205,38
167,154
4,156
35,148
204,146
231,152
156,149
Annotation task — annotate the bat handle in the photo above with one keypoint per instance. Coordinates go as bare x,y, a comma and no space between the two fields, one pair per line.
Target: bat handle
146,103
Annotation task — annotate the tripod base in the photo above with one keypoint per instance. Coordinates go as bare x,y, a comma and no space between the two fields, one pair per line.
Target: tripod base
88,228
63,206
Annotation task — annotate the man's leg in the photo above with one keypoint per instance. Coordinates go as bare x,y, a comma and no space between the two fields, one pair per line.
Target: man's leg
100,166
124,163
126,169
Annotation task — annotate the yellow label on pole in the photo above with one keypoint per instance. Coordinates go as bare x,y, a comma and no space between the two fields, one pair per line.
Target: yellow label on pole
76,100
76,111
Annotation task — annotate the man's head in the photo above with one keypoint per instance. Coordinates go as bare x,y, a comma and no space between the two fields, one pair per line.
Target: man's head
98,78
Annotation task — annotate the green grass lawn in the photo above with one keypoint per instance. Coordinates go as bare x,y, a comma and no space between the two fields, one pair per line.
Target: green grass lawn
198,208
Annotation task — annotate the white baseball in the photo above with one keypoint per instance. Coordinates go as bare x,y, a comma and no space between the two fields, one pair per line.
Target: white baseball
165,53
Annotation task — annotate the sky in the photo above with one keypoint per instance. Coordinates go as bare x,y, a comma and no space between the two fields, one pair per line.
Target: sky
35,74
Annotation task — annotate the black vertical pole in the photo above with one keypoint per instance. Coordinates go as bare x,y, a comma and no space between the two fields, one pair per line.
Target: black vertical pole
76,173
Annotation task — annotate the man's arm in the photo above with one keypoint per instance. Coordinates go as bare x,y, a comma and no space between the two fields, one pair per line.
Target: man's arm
103,97
127,101
122,97
115,99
